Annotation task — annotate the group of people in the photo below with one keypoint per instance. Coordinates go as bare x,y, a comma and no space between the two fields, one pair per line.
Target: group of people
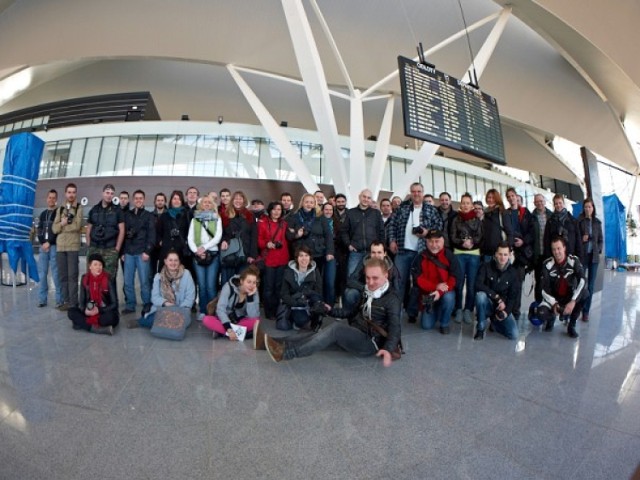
432,262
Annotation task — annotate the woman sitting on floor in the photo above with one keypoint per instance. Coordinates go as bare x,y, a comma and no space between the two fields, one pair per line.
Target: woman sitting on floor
97,310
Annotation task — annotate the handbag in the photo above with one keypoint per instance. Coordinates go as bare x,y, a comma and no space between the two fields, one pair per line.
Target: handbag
171,323
234,255
206,260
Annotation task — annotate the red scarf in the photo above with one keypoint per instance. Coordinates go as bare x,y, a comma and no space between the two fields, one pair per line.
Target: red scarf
470,215
96,285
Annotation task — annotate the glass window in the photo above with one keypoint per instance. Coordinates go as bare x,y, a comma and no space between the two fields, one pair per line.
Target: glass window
91,163
145,153
461,185
248,157
450,184
109,155
61,157
185,155
438,181
77,166
125,158
165,151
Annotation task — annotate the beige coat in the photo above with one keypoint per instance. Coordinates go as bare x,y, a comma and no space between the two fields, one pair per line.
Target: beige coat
69,236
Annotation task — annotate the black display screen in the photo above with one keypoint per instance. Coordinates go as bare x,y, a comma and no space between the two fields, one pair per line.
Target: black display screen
443,110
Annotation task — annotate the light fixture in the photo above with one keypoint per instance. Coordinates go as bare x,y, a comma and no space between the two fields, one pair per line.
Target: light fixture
220,119
184,117
284,123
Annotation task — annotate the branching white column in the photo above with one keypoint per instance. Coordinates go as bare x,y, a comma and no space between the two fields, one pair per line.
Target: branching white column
276,133
310,65
357,170
382,149
489,45
426,153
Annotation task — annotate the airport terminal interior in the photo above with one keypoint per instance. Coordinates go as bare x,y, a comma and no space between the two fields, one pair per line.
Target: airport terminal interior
339,96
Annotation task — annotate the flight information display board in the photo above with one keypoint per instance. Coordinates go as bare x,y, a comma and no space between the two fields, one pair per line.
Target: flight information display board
443,110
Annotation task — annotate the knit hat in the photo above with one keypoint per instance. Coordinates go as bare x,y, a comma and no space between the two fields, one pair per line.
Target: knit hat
95,257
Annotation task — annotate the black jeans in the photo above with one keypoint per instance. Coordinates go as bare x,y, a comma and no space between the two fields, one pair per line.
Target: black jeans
347,338
271,289
79,319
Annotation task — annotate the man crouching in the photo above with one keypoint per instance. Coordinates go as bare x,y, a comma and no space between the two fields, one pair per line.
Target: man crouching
374,326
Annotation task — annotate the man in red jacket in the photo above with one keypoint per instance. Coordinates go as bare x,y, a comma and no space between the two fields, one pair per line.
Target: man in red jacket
436,277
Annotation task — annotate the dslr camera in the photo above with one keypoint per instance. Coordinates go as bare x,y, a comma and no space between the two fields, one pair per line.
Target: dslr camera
99,232
91,305
428,301
174,233
418,230
277,245
500,315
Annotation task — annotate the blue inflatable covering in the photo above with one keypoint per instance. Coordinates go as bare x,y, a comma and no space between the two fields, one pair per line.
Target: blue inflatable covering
615,228
17,198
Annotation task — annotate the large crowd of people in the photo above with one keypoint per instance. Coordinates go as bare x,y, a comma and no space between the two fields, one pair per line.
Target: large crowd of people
236,263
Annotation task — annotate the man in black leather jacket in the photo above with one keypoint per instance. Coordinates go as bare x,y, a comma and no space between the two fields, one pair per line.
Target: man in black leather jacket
374,328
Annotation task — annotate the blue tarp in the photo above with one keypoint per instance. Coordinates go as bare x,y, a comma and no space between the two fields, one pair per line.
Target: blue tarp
615,228
17,198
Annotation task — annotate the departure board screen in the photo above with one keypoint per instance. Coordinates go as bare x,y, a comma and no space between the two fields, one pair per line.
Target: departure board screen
443,110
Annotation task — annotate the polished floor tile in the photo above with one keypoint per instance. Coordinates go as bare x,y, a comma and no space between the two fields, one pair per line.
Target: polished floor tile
74,405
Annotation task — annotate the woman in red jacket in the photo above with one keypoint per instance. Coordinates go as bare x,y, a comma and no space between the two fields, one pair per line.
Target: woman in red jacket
272,243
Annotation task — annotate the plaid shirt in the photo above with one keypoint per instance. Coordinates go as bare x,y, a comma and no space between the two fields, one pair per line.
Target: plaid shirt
429,219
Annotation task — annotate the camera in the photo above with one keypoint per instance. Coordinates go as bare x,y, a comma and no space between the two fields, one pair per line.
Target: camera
70,216
277,245
91,305
500,315
428,301
417,230
174,233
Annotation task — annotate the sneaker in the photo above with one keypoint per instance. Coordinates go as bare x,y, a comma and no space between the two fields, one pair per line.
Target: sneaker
44,304
200,317
274,348
467,316
127,311
445,330
479,335
458,316
571,331
258,336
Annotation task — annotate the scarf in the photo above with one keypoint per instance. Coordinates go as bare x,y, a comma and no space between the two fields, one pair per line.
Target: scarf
465,217
370,296
96,284
174,212
169,284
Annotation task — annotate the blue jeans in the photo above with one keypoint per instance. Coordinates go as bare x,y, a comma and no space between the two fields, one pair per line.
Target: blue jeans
207,282
351,299
355,259
592,273
131,264
46,261
347,338
403,261
329,282
469,264
440,312
485,308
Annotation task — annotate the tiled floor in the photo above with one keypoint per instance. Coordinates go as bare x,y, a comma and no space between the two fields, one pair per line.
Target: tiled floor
79,406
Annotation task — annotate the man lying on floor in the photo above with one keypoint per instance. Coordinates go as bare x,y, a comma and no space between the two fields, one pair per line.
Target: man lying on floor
373,329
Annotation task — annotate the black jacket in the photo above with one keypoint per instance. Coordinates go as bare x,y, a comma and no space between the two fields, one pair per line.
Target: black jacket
238,226
173,233
294,294
140,232
494,225
499,283
385,312
45,227
461,229
447,220
105,223
596,238
563,224
571,270
361,227
317,236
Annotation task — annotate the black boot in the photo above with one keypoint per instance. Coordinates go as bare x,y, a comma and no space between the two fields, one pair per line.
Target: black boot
571,330
548,326
479,335
102,330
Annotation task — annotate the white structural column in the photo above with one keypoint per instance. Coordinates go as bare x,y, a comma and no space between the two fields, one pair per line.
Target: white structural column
310,65
382,149
425,154
276,133
357,169
484,54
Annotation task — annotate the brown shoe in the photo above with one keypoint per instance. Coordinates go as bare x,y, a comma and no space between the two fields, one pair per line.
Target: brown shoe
64,307
274,348
258,337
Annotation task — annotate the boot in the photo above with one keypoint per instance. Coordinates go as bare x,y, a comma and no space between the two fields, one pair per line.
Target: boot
571,330
548,327
102,330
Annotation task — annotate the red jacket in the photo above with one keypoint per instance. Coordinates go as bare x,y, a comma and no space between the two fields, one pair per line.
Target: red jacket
269,231
431,275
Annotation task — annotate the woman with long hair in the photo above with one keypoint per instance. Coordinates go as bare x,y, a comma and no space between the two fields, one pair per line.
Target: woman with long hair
272,242
173,229
306,228
238,304
466,235
590,228
496,225
205,232
238,222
